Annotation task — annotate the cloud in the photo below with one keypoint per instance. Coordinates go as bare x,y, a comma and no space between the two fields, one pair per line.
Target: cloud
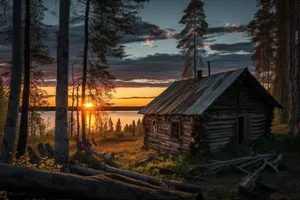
227,29
243,46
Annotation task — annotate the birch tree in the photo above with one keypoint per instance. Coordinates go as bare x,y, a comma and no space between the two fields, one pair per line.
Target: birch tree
15,86
61,114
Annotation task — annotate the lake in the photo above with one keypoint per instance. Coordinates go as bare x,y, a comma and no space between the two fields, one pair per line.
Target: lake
126,117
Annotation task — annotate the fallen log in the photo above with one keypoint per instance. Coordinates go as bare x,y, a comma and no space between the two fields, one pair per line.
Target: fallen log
147,160
149,179
163,170
106,158
248,183
59,185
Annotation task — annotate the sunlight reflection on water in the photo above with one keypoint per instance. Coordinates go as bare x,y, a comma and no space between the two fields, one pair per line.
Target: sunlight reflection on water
126,117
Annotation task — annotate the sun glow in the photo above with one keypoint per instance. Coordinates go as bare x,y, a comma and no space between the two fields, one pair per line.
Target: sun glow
88,105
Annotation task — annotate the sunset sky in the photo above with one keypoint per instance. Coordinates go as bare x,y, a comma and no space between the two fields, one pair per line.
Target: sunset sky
153,63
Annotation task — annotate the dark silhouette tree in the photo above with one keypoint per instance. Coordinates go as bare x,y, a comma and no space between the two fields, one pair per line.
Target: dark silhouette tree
118,126
191,37
15,86
35,54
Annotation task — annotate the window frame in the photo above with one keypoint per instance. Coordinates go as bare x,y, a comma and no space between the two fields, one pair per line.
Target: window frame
178,130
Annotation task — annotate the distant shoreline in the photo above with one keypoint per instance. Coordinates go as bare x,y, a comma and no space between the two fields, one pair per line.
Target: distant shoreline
111,108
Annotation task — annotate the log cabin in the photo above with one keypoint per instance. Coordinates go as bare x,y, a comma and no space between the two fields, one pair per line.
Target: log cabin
203,114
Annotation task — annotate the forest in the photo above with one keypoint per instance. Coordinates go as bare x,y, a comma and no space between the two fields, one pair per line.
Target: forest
79,159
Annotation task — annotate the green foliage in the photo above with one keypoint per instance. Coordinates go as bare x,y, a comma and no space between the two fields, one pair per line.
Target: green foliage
45,164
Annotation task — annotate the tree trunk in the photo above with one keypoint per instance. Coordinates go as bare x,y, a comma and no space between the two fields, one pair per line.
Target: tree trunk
84,72
61,114
281,69
51,184
21,148
294,66
77,116
15,86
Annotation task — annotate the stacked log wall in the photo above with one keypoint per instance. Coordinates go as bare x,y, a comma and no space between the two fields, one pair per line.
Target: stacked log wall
222,127
162,139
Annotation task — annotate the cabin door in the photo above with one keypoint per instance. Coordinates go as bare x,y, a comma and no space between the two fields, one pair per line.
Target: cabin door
243,129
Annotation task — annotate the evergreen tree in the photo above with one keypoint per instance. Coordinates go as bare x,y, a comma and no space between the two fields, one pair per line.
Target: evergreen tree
126,129
133,128
139,128
118,126
35,54
281,90
105,22
191,37
293,34
3,108
262,29
105,128
10,131
110,126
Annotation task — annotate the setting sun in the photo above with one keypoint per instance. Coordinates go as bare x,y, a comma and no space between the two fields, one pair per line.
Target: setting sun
88,105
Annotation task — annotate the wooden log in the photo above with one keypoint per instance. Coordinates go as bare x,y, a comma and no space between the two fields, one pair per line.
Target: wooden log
59,185
138,176
146,160
105,157
85,171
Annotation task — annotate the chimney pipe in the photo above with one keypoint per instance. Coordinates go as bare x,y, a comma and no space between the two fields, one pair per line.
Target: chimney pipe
199,74
208,64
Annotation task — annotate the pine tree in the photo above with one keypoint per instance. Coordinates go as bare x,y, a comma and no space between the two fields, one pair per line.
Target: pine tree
126,129
191,37
293,34
35,54
281,91
110,125
105,22
3,108
118,126
262,29
133,128
15,86
105,128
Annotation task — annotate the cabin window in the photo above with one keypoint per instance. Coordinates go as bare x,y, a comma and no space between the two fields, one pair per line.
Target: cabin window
154,127
175,129
243,98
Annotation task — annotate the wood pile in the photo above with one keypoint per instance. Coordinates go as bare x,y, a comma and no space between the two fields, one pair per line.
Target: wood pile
86,183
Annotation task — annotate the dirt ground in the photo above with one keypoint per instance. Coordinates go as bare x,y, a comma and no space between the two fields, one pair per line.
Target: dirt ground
285,183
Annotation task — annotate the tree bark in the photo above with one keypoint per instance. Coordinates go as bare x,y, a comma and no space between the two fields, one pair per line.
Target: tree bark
84,72
59,185
21,148
61,114
15,86
294,66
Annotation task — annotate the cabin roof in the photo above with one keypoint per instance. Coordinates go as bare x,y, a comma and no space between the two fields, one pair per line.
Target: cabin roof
194,96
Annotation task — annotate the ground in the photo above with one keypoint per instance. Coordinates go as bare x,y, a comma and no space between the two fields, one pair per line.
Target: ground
221,186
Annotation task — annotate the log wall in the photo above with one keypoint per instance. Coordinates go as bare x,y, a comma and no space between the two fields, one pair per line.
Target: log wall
162,139
216,127
222,128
